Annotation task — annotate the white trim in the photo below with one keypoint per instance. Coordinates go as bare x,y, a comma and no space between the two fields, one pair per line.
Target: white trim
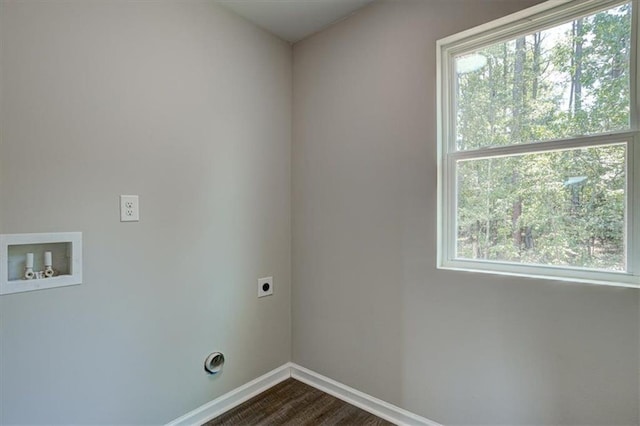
541,16
233,398
560,274
633,153
359,399
366,402
545,146
522,15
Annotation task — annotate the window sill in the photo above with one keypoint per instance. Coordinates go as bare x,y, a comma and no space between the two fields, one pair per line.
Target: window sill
552,273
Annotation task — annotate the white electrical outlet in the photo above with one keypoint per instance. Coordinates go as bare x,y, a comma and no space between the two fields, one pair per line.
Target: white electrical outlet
265,286
129,208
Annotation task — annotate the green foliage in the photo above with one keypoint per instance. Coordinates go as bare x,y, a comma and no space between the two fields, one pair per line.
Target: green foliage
557,208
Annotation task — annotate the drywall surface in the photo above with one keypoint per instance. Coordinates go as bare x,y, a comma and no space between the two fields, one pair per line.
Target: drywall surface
370,309
188,106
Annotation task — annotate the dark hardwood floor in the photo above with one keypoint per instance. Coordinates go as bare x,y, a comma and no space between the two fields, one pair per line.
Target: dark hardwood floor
294,403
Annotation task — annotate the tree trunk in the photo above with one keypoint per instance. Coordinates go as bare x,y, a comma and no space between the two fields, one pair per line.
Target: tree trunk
575,95
518,90
577,77
516,128
537,42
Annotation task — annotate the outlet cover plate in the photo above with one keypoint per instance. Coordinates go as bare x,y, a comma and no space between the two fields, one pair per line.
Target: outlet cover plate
129,208
265,286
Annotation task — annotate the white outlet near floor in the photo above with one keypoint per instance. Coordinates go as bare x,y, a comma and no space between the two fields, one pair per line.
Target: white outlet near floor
129,208
265,286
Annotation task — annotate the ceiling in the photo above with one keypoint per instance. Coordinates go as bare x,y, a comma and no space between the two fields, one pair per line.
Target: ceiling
293,20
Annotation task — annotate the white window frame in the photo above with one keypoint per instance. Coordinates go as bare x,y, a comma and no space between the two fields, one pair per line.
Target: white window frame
542,16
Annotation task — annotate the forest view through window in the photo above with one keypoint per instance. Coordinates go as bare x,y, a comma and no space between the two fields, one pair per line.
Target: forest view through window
537,146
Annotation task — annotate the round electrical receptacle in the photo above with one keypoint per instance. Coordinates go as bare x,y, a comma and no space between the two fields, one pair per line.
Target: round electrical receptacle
214,362
265,287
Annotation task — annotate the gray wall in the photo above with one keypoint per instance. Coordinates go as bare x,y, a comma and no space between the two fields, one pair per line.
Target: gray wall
370,309
188,106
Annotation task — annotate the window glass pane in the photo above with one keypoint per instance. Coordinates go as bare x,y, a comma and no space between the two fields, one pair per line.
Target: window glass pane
569,80
562,208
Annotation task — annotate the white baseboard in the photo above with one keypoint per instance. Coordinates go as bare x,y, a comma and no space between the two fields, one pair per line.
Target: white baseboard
361,400
233,398
354,397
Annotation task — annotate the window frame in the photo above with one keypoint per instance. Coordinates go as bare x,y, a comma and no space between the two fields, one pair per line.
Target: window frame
539,17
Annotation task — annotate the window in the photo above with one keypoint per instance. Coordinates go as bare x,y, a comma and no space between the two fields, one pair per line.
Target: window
539,149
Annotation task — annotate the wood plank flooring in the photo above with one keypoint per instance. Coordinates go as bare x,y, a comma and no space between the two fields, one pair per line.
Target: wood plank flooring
295,403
